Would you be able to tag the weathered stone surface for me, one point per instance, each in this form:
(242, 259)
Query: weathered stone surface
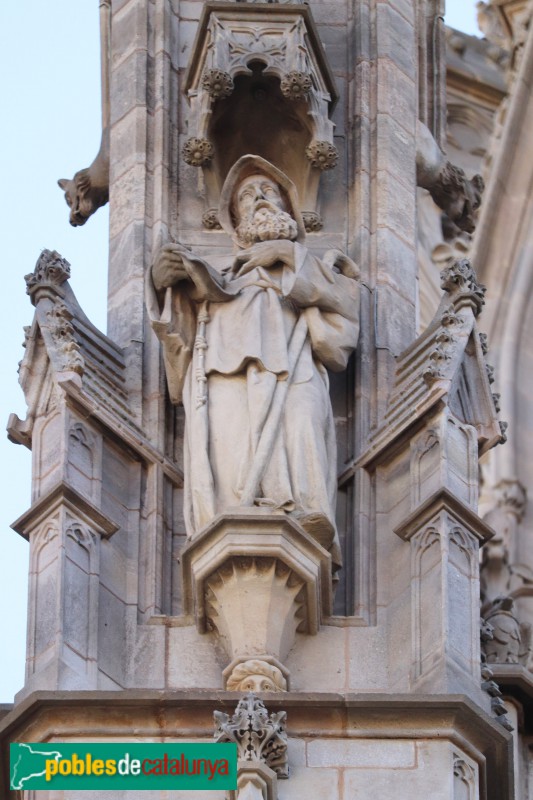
(412, 413)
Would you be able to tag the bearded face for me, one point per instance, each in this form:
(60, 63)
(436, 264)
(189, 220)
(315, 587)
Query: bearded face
(265, 224)
(261, 214)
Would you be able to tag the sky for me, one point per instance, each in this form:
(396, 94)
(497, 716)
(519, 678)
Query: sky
(50, 62)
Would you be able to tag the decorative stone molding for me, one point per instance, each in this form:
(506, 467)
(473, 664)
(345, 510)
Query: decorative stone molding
(445, 552)
(197, 152)
(259, 736)
(484, 342)
(64, 496)
(503, 431)
(488, 684)
(512, 498)
(450, 318)
(456, 246)
(69, 355)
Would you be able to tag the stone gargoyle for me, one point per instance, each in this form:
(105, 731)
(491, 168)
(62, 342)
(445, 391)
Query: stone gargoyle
(458, 196)
(88, 190)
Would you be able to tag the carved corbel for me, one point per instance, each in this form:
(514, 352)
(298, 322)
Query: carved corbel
(458, 196)
(291, 578)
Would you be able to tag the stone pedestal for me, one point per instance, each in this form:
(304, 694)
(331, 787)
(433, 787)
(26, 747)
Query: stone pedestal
(257, 579)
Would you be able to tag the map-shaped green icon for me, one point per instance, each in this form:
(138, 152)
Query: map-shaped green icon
(29, 761)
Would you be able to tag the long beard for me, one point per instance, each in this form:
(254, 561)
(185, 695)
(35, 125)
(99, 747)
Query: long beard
(266, 224)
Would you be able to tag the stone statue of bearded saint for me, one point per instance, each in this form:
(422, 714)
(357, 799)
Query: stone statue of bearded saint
(247, 347)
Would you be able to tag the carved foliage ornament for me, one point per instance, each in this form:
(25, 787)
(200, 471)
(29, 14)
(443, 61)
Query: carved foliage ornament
(312, 221)
(296, 85)
(459, 279)
(217, 83)
(51, 268)
(446, 346)
(62, 332)
(210, 220)
(322, 155)
(259, 736)
(197, 152)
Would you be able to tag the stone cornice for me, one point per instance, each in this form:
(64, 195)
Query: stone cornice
(189, 713)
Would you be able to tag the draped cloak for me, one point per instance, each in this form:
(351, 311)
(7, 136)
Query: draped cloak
(226, 343)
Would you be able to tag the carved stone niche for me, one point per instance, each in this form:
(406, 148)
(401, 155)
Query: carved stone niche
(258, 82)
(257, 579)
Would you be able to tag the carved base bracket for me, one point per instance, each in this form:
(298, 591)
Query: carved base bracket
(257, 579)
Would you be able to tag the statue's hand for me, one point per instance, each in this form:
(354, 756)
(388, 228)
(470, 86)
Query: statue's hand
(168, 268)
(265, 254)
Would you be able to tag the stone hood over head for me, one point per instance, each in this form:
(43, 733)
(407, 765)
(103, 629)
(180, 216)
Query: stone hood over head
(255, 165)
